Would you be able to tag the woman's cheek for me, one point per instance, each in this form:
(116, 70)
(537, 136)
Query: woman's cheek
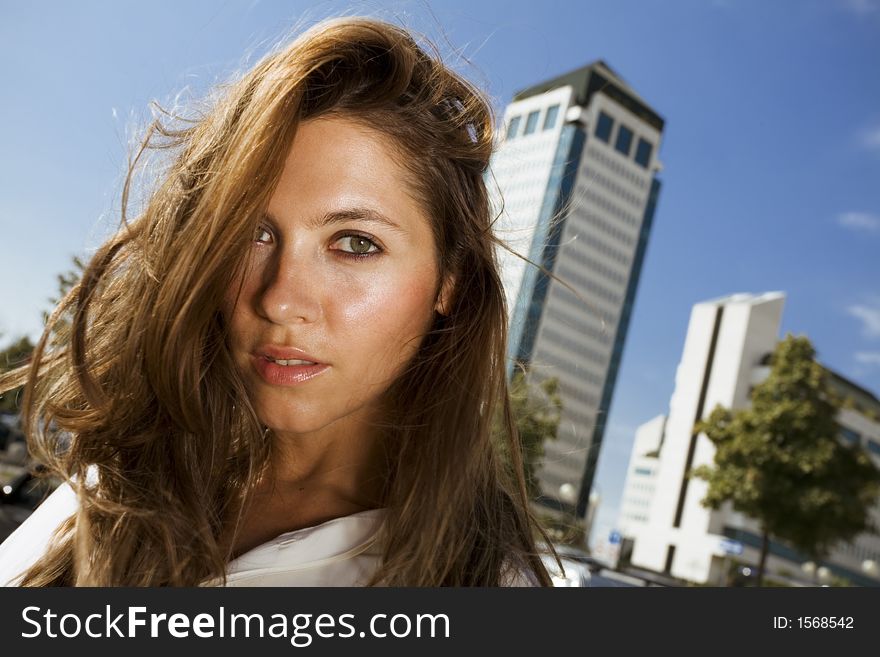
(400, 296)
(389, 312)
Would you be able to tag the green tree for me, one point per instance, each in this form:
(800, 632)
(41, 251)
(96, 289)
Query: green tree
(782, 463)
(13, 355)
(536, 411)
(66, 282)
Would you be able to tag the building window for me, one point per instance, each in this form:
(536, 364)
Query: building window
(643, 152)
(513, 126)
(874, 447)
(531, 122)
(850, 436)
(550, 117)
(670, 555)
(624, 140)
(603, 127)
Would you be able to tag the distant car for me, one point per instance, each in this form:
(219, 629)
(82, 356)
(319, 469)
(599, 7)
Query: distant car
(572, 573)
(611, 578)
(28, 488)
(569, 552)
(22, 491)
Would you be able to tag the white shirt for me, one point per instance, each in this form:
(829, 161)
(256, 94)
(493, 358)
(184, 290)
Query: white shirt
(339, 552)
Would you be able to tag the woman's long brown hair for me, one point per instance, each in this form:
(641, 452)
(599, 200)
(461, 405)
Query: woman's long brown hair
(132, 374)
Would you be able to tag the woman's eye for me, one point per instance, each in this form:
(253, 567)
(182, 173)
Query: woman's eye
(357, 245)
(261, 232)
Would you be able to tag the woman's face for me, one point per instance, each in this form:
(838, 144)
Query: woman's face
(343, 273)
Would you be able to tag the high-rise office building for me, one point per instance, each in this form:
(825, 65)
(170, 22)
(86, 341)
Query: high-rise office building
(575, 186)
(665, 528)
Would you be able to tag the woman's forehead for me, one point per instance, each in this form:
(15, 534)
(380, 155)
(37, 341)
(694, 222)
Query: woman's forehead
(336, 162)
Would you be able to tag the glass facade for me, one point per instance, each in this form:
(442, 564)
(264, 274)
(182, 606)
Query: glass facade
(550, 117)
(617, 352)
(545, 244)
(531, 122)
(513, 126)
(603, 127)
(643, 152)
(624, 140)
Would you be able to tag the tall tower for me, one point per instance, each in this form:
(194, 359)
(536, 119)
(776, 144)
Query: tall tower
(574, 186)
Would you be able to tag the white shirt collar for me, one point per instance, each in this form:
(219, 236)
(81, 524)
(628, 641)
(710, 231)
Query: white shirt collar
(340, 552)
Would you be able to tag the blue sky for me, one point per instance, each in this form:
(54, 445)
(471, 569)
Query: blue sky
(771, 149)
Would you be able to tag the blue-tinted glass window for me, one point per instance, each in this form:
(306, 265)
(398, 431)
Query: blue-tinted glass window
(513, 126)
(531, 122)
(604, 126)
(643, 152)
(850, 436)
(550, 117)
(624, 140)
(874, 447)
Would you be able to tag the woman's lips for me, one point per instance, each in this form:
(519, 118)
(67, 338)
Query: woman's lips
(283, 352)
(286, 375)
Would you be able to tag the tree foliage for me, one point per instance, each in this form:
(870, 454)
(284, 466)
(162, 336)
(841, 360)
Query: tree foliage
(536, 412)
(66, 282)
(781, 461)
(13, 355)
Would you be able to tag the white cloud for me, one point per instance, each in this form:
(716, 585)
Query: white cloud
(861, 7)
(868, 357)
(870, 317)
(859, 221)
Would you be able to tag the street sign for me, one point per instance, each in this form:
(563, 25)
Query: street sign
(614, 537)
(730, 546)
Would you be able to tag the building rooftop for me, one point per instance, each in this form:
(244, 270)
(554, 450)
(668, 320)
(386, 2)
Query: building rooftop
(597, 77)
(745, 297)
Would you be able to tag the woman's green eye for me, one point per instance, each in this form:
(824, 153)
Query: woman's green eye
(357, 245)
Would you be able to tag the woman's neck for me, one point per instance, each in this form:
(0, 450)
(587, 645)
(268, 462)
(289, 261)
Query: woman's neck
(314, 478)
(346, 460)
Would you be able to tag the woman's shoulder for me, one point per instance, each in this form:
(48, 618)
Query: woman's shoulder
(30, 540)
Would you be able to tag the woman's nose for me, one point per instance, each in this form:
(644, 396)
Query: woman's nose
(291, 291)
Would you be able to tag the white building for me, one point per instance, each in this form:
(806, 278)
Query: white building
(577, 174)
(661, 519)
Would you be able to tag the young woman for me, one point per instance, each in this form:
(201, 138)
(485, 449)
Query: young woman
(289, 369)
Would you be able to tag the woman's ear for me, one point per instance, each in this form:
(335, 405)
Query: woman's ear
(444, 298)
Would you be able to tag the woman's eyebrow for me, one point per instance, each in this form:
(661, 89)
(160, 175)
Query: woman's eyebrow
(357, 213)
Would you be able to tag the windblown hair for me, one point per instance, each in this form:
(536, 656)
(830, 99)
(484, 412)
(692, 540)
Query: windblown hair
(133, 377)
